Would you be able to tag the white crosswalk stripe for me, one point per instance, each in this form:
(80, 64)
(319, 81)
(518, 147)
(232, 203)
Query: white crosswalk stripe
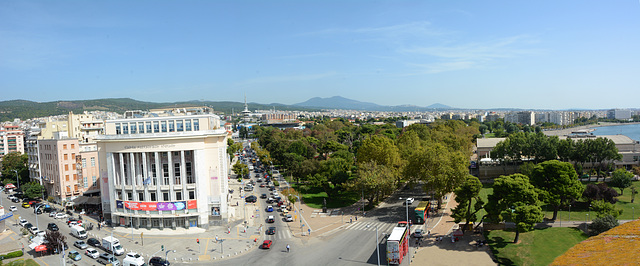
(370, 226)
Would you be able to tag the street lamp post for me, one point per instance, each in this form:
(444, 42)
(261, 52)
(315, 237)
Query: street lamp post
(17, 178)
(586, 222)
(167, 253)
(569, 212)
(377, 246)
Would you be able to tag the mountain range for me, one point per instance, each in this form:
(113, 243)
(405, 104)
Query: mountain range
(24, 109)
(337, 102)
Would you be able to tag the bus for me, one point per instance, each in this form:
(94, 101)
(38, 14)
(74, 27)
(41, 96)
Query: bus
(398, 245)
(422, 211)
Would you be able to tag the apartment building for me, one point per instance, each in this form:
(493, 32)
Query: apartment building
(11, 140)
(61, 168)
(164, 171)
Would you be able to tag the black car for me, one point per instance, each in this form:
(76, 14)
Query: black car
(53, 227)
(263, 196)
(271, 231)
(158, 261)
(15, 200)
(27, 226)
(251, 198)
(93, 242)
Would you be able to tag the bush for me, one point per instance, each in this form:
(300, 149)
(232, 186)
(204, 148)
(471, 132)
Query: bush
(276, 183)
(10, 255)
(603, 224)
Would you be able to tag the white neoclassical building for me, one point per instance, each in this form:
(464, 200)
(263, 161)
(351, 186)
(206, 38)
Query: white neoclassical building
(164, 170)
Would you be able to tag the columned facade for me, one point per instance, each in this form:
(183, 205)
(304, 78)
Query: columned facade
(164, 180)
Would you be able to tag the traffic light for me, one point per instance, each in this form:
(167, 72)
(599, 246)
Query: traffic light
(198, 240)
(162, 247)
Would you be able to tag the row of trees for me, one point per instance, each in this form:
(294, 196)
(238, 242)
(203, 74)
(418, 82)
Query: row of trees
(372, 159)
(537, 147)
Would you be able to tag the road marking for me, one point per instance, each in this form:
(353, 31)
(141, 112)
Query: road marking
(40, 259)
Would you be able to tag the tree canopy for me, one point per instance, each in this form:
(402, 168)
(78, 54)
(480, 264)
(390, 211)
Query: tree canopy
(557, 184)
(514, 199)
(621, 179)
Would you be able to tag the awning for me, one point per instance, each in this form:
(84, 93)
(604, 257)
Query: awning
(40, 248)
(9, 186)
(87, 200)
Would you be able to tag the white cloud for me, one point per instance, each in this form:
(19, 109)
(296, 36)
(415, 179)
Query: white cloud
(468, 55)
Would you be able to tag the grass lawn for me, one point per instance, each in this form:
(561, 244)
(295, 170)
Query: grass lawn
(537, 247)
(580, 211)
(314, 197)
(22, 262)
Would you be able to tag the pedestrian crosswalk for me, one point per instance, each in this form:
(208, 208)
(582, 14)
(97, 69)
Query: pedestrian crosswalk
(370, 226)
(280, 234)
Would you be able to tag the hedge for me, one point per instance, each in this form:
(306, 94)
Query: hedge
(10, 255)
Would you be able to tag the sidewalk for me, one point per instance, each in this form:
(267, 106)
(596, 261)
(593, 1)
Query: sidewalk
(446, 252)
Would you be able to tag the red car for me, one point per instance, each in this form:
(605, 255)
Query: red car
(266, 244)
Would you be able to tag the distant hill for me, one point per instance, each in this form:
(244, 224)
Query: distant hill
(338, 102)
(23, 109)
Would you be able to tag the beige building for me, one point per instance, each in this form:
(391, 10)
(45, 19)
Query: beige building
(164, 171)
(61, 168)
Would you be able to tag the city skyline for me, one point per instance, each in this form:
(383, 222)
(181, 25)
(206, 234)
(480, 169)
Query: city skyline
(527, 55)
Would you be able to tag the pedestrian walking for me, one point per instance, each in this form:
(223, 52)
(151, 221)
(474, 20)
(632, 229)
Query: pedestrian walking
(350, 219)
(356, 218)
(288, 248)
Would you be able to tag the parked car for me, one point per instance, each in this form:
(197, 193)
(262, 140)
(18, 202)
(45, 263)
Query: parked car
(75, 255)
(92, 253)
(251, 198)
(26, 205)
(158, 261)
(266, 244)
(263, 196)
(53, 214)
(53, 227)
(288, 218)
(28, 225)
(271, 231)
(269, 208)
(271, 219)
(80, 244)
(23, 222)
(33, 229)
(61, 215)
(13, 208)
(40, 233)
(106, 258)
(94, 242)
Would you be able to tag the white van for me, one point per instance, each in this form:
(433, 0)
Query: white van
(78, 232)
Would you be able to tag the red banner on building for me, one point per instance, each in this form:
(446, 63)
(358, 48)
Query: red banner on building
(192, 204)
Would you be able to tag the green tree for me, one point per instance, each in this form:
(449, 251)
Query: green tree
(33, 190)
(375, 181)
(13, 163)
(466, 194)
(621, 179)
(382, 151)
(240, 169)
(527, 168)
(557, 183)
(603, 208)
(440, 169)
(514, 199)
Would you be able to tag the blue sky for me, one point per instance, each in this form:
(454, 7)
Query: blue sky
(467, 54)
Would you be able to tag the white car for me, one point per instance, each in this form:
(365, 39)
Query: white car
(52, 214)
(23, 222)
(409, 201)
(13, 208)
(33, 230)
(61, 215)
(93, 253)
(40, 233)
